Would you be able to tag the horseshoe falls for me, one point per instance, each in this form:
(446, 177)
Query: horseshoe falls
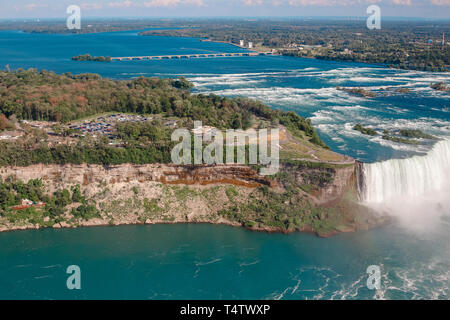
(396, 179)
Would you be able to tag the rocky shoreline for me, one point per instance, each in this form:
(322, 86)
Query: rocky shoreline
(383, 221)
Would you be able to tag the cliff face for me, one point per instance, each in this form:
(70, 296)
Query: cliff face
(57, 176)
(344, 181)
(328, 184)
(298, 198)
(339, 181)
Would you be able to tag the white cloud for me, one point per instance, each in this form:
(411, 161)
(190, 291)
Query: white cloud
(124, 4)
(30, 6)
(402, 2)
(370, 1)
(252, 2)
(331, 3)
(91, 6)
(198, 3)
(321, 2)
(172, 3)
(441, 2)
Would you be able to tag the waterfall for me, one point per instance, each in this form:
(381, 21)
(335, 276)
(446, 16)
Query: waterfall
(410, 178)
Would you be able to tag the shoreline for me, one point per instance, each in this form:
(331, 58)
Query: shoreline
(277, 53)
(93, 224)
(373, 64)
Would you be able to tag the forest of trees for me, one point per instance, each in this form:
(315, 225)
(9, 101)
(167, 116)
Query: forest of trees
(42, 95)
(5, 123)
(12, 192)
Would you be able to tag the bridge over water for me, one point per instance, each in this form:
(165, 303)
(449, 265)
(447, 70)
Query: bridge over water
(198, 55)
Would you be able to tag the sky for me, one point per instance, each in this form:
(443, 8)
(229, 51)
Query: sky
(40, 9)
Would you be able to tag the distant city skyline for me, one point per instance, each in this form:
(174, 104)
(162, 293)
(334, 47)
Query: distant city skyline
(42, 9)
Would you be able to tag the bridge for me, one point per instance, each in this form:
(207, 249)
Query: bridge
(198, 55)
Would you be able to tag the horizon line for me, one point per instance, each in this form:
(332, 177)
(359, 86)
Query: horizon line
(224, 17)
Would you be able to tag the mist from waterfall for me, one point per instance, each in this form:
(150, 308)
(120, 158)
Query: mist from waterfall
(415, 190)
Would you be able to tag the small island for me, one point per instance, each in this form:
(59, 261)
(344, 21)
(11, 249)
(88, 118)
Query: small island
(88, 57)
(403, 90)
(415, 133)
(406, 136)
(358, 92)
(368, 131)
(440, 86)
(387, 136)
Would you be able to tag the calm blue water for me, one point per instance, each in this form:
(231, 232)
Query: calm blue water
(218, 262)
(204, 261)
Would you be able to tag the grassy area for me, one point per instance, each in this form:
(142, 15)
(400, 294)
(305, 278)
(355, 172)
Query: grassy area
(293, 147)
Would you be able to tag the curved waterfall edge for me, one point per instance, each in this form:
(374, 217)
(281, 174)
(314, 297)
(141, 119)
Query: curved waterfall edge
(411, 177)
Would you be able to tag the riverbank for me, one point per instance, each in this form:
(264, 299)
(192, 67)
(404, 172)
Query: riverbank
(382, 221)
(321, 41)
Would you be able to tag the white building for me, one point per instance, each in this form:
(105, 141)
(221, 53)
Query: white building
(250, 45)
(241, 43)
(346, 51)
(204, 130)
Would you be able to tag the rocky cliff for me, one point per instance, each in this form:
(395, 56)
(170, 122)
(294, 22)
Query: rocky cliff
(86, 175)
(304, 198)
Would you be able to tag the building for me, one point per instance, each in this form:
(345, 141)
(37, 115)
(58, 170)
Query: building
(346, 51)
(241, 43)
(250, 45)
(170, 123)
(25, 204)
(10, 135)
(204, 130)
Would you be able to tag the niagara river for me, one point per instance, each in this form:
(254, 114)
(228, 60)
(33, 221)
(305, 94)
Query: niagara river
(409, 182)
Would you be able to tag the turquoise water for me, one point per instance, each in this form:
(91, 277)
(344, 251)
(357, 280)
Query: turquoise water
(219, 262)
(205, 261)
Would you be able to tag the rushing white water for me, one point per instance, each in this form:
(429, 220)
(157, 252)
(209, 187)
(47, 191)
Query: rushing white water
(402, 179)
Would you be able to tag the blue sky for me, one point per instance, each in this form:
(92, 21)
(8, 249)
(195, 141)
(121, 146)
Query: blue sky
(178, 8)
